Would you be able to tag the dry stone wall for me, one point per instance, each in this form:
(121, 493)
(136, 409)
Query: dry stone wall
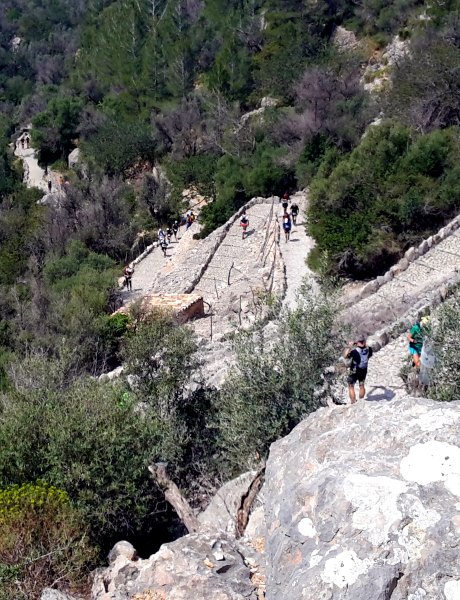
(416, 281)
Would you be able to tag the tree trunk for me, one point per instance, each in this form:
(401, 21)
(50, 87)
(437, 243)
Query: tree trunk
(174, 496)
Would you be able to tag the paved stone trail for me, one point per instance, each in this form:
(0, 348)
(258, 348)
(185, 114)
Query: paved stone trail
(295, 252)
(155, 265)
(238, 272)
(383, 382)
(427, 273)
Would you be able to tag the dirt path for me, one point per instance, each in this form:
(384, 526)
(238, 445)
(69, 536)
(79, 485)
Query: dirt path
(34, 175)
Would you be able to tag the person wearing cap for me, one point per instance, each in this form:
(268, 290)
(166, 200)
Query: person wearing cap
(415, 337)
(359, 354)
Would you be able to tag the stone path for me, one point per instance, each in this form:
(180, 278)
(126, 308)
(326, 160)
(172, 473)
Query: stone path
(34, 175)
(239, 272)
(156, 265)
(395, 298)
(383, 381)
(295, 252)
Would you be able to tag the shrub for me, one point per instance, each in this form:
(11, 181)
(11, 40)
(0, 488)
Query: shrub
(88, 439)
(118, 145)
(275, 381)
(43, 541)
(445, 337)
(55, 129)
(391, 191)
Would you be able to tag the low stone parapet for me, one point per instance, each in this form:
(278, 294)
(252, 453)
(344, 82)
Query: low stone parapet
(183, 307)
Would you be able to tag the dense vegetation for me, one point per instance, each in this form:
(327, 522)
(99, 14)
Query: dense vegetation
(178, 85)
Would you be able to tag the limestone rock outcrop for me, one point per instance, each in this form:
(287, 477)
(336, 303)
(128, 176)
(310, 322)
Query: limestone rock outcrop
(363, 502)
(198, 566)
(360, 502)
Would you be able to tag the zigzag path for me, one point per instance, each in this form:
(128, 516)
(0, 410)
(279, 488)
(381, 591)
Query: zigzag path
(395, 300)
(408, 288)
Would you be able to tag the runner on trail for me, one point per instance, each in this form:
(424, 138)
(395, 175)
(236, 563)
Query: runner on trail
(27, 141)
(175, 229)
(50, 185)
(161, 235)
(168, 234)
(415, 337)
(244, 224)
(287, 225)
(128, 272)
(22, 143)
(294, 212)
(285, 201)
(190, 218)
(164, 246)
(359, 354)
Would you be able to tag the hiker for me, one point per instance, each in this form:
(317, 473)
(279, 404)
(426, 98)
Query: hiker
(287, 225)
(169, 234)
(175, 229)
(359, 354)
(190, 218)
(294, 212)
(164, 246)
(415, 337)
(161, 235)
(27, 142)
(244, 224)
(50, 185)
(128, 272)
(285, 201)
(22, 143)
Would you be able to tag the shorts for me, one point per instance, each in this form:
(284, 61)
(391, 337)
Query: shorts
(286, 227)
(414, 351)
(357, 375)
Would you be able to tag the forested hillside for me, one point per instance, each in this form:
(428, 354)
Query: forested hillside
(358, 101)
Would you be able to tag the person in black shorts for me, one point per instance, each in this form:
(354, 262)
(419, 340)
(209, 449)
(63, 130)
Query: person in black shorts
(359, 354)
(294, 212)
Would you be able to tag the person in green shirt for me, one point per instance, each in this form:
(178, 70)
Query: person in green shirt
(415, 337)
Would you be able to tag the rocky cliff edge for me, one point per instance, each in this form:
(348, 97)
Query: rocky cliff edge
(360, 502)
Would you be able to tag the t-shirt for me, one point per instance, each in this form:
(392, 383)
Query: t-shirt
(294, 209)
(417, 335)
(360, 357)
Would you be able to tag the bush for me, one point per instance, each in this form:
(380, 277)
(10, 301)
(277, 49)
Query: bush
(118, 145)
(55, 129)
(239, 179)
(275, 381)
(445, 337)
(390, 192)
(43, 541)
(89, 440)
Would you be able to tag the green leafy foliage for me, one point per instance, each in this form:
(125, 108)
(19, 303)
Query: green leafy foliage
(390, 191)
(444, 338)
(238, 180)
(91, 443)
(43, 539)
(55, 129)
(119, 145)
(276, 381)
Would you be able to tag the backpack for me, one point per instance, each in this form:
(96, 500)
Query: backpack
(364, 357)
